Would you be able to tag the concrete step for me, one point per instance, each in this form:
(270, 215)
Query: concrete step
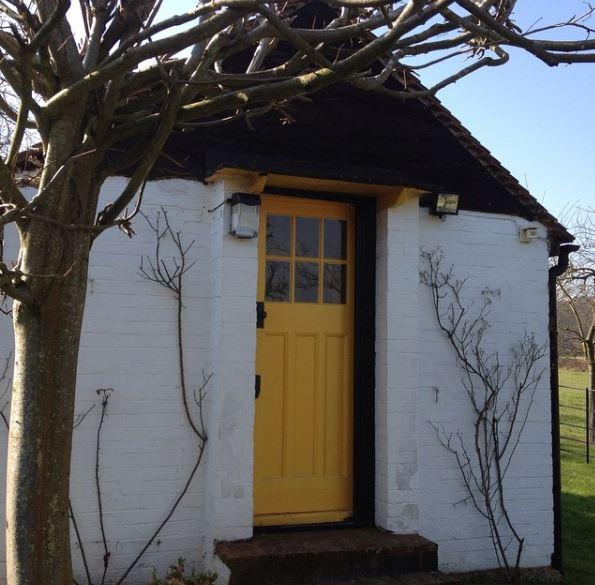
(313, 556)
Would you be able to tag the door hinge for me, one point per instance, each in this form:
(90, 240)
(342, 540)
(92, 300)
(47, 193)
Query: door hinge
(256, 386)
(261, 314)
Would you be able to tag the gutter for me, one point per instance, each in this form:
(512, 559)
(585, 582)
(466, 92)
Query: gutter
(553, 273)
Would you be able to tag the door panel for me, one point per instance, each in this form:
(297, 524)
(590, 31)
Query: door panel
(303, 468)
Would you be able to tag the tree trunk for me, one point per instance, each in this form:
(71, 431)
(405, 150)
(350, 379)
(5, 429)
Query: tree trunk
(39, 447)
(47, 335)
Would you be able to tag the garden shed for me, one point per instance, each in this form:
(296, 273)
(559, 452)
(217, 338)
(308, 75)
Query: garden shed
(312, 354)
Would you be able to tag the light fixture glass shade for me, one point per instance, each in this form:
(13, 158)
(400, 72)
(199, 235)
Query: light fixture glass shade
(447, 204)
(244, 215)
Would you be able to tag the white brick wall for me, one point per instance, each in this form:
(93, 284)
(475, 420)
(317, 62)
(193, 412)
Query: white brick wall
(397, 359)
(129, 344)
(234, 268)
(418, 484)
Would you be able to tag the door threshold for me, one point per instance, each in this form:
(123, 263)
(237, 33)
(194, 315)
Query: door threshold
(345, 525)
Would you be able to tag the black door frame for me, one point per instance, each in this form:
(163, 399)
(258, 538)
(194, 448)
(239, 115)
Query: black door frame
(364, 358)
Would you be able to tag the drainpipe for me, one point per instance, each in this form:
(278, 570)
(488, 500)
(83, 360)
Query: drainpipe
(554, 272)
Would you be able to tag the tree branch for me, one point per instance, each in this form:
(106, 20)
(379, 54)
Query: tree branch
(131, 58)
(9, 192)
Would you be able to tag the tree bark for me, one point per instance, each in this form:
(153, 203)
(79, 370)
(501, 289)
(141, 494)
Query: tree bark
(47, 335)
(46, 353)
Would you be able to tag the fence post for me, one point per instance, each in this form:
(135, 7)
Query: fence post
(591, 417)
(587, 419)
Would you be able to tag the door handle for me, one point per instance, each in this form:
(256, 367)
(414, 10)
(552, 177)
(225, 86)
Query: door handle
(261, 315)
(256, 386)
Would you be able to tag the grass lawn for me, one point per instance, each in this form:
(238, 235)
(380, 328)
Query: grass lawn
(578, 486)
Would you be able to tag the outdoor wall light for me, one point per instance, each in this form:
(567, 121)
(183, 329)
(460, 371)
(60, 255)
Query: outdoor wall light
(441, 204)
(245, 209)
(528, 234)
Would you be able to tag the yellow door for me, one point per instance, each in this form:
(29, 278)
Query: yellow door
(303, 467)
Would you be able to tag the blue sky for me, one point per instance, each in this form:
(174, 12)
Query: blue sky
(538, 121)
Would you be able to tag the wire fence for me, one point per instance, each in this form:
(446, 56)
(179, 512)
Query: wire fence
(586, 412)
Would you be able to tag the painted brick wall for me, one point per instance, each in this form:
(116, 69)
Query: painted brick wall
(418, 485)
(397, 359)
(129, 344)
(234, 268)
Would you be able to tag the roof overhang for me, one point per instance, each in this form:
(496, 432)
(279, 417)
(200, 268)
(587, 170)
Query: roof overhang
(261, 182)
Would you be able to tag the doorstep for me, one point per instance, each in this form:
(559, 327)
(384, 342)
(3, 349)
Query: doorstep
(315, 556)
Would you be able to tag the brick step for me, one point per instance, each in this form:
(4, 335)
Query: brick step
(299, 558)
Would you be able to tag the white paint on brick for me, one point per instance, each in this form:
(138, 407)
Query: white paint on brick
(418, 483)
(397, 360)
(234, 266)
(129, 344)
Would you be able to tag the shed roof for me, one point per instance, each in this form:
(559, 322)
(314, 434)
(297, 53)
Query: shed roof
(346, 134)
(349, 134)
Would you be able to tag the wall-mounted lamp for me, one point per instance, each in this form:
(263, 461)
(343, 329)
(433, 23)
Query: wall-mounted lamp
(441, 204)
(244, 215)
(528, 234)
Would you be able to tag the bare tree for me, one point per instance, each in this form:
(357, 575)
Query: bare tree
(576, 295)
(97, 111)
(500, 393)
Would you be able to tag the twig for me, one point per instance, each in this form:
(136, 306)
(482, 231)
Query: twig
(81, 417)
(170, 274)
(168, 516)
(106, 393)
(4, 378)
(80, 541)
(499, 422)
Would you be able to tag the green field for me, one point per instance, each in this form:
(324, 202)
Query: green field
(578, 486)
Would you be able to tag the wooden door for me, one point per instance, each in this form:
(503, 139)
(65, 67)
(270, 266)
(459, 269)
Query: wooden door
(303, 468)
